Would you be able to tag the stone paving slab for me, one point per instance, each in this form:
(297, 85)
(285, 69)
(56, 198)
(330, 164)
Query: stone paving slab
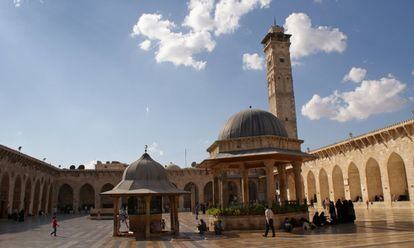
(374, 228)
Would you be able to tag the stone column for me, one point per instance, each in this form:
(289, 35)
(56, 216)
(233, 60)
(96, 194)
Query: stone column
(270, 182)
(281, 169)
(193, 199)
(39, 208)
(331, 187)
(176, 221)
(245, 185)
(22, 194)
(385, 183)
(364, 185)
(306, 190)
(180, 205)
(32, 192)
(221, 192)
(318, 191)
(76, 199)
(173, 207)
(11, 195)
(298, 181)
(47, 199)
(147, 216)
(347, 189)
(410, 177)
(116, 220)
(215, 188)
(97, 200)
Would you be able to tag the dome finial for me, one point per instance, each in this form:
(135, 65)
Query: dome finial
(146, 148)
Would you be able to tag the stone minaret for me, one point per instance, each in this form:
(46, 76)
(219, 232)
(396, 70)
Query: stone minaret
(279, 78)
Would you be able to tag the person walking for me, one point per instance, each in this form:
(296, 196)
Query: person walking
(269, 221)
(54, 225)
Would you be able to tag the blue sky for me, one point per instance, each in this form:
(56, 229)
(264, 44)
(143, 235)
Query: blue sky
(75, 86)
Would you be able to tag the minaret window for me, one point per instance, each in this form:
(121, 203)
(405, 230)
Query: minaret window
(281, 60)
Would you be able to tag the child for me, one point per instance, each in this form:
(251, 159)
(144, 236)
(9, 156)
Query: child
(54, 225)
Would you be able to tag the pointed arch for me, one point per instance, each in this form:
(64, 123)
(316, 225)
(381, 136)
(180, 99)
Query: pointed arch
(232, 192)
(311, 187)
(323, 184)
(190, 199)
(374, 182)
(253, 191)
(65, 199)
(106, 201)
(354, 182)
(87, 196)
(397, 178)
(208, 193)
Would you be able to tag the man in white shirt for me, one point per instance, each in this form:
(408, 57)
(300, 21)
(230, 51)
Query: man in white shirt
(269, 221)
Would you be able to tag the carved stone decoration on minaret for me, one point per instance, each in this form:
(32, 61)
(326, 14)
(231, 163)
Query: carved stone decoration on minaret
(279, 78)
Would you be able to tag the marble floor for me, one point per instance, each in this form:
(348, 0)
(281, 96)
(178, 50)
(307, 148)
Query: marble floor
(373, 228)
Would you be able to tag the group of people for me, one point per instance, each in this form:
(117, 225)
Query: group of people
(17, 216)
(340, 212)
(218, 227)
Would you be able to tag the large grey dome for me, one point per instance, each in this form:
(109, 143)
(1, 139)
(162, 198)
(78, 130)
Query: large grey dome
(252, 122)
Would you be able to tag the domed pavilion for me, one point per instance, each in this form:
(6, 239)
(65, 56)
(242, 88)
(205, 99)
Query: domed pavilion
(253, 139)
(141, 191)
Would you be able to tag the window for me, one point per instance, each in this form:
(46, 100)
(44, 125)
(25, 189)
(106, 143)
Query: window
(281, 60)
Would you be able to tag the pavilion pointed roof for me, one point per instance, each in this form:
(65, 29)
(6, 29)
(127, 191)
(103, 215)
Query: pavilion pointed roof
(145, 177)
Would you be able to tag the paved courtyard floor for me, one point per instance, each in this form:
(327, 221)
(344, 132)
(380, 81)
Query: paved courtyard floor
(374, 228)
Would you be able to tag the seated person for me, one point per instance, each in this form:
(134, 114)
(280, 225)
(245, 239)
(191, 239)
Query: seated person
(322, 219)
(218, 227)
(287, 226)
(315, 219)
(202, 227)
(294, 222)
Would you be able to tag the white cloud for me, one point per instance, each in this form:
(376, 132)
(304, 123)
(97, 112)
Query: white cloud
(371, 97)
(252, 62)
(317, 1)
(204, 18)
(319, 107)
(17, 3)
(174, 47)
(412, 72)
(147, 109)
(199, 17)
(308, 40)
(356, 75)
(91, 165)
(155, 150)
(145, 45)
(228, 12)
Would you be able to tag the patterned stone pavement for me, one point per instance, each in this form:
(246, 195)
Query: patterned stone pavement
(374, 228)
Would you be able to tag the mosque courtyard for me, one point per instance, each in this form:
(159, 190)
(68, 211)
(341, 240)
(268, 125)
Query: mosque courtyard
(373, 228)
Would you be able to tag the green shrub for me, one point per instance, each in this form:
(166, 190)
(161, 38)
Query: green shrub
(256, 209)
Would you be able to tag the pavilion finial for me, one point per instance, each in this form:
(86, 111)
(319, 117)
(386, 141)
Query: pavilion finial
(274, 21)
(146, 148)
